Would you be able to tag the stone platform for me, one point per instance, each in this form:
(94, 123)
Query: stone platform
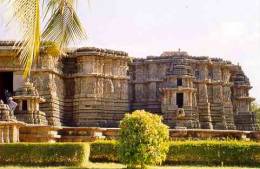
(86, 134)
(11, 132)
(39, 133)
(177, 134)
(80, 134)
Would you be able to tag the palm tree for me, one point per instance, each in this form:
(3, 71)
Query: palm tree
(62, 26)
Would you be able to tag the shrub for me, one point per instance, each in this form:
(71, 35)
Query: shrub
(143, 139)
(44, 154)
(104, 151)
(214, 153)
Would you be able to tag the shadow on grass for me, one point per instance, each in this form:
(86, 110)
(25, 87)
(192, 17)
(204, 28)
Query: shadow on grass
(92, 168)
(98, 166)
(87, 166)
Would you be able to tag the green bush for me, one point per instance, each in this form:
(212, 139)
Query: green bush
(206, 152)
(104, 151)
(143, 139)
(44, 154)
(214, 153)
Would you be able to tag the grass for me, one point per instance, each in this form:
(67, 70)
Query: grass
(120, 166)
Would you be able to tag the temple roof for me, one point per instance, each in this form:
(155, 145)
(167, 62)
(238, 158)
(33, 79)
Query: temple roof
(101, 50)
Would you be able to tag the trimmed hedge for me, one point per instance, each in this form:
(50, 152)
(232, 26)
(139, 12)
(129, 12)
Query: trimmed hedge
(236, 153)
(214, 153)
(104, 151)
(208, 152)
(44, 154)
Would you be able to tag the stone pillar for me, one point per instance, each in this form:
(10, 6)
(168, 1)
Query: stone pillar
(11, 133)
(228, 107)
(204, 106)
(203, 98)
(217, 105)
(1, 135)
(168, 107)
(6, 134)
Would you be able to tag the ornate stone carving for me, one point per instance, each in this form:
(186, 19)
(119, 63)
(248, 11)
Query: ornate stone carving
(95, 87)
(28, 100)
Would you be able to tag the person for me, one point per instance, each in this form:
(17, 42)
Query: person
(7, 95)
(12, 104)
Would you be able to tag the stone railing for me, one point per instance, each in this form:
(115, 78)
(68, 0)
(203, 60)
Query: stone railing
(9, 131)
(9, 126)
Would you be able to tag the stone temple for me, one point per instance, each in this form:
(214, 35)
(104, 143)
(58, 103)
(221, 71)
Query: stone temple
(92, 87)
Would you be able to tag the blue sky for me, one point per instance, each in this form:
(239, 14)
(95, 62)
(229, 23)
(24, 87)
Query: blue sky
(229, 29)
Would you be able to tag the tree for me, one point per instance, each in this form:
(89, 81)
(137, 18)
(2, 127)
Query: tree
(143, 139)
(62, 26)
(255, 107)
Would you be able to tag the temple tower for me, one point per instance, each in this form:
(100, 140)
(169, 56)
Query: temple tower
(28, 100)
(179, 96)
(244, 118)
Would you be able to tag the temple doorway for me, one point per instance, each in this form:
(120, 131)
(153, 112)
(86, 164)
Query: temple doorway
(6, 83)
(179, 100)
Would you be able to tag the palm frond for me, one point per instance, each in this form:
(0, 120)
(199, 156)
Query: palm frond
(27, 13)
(64, 26)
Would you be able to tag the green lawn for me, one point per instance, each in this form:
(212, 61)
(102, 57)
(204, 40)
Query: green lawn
(119, 166)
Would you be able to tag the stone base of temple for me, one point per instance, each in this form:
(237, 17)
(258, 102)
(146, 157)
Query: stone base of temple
(206, 125)
(81, 134)
(209, 134)
(19, 132)
(39, 133)
(91, 134)
(86, 134)
(246, 121)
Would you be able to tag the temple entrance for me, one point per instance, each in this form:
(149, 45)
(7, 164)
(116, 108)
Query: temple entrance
(6, 83)
(179, 100)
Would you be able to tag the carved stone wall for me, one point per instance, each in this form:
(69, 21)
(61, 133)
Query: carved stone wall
(96, 87)
(101, 87)
(209, 90)
(48, 78)
(244, 118)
